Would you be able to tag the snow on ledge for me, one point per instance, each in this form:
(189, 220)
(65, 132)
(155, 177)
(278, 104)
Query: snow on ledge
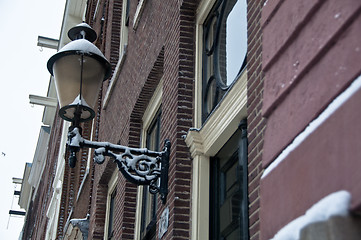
(335, 204)
(331, 108)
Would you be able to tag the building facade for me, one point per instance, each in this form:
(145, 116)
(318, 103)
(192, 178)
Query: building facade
(232, 84)
(311, 62)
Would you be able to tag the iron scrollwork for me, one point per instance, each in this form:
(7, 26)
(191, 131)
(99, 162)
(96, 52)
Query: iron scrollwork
(138, 165)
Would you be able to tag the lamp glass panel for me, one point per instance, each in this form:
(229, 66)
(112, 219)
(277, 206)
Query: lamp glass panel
(67, 74)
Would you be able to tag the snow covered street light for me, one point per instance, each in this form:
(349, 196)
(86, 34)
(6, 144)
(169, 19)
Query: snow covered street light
(79, 69)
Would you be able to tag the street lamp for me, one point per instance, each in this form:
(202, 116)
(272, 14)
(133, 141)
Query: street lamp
(79, 69)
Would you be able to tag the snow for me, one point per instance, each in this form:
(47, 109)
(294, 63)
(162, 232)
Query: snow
(78, 101)
(83, 25)
(75, 139)
(332, 107)
(83, 46)
(335, 204)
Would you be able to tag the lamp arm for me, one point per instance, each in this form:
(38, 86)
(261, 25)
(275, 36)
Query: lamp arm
(138, 165)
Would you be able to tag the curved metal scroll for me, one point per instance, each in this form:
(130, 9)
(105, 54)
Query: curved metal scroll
(138, 165)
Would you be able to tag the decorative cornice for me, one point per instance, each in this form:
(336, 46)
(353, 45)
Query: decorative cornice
(222, 123)
(194, 141)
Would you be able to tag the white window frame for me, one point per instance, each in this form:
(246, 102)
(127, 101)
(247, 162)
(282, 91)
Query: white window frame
(138, 13)
(148, 116)
(206, 140)
(111, 187)
(202, 12)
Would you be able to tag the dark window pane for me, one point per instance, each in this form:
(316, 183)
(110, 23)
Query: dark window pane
(111, 215)
(149, 202)
(228, 191)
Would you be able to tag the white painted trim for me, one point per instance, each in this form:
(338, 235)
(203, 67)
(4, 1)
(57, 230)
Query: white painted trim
(111, 186)
(138, 13)
(226, 117)
(43, 101)
(223, 122)
(206, 142)
(148, 116)
(123, 29)
(96, 10)
(138, 213)
(202, 12)
(200, 198)
(198, 78)
(313, 125)
(152, 109)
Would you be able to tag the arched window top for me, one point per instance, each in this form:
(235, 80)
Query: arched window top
(224, 50)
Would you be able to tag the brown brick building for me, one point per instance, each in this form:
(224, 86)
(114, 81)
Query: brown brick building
(207, 75)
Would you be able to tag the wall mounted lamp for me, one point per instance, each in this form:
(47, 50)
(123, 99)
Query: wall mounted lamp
(79, 69)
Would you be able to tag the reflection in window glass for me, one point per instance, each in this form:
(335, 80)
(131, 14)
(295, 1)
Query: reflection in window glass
(228, 191)
(236, 40)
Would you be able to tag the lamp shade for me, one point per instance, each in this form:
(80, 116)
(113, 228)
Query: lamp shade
(79, 69)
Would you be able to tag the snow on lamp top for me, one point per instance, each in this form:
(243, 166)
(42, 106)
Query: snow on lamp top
(79, 68)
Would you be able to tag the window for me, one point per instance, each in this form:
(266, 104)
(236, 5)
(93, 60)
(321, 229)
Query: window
(111, 214)
(229, 194)
(149, 201)
(146, 212)
(220, 104)
(110, 207)
(224, 50)
(124, 28)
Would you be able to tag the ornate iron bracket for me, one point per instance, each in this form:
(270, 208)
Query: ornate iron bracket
(138, 165)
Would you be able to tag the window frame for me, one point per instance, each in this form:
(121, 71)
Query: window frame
(204, 76)
(124, 27)
(149, 115)
(138, 13)
(205, 139)
(148, 230)
(236, 146)
(112, 184)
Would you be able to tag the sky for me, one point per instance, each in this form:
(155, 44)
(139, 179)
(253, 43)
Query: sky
(22, 72)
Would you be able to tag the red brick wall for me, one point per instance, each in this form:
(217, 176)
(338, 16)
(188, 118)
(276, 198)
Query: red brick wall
(163, 46)
(178, 98)
(256, 123)
(162, 32)
(311, 54)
